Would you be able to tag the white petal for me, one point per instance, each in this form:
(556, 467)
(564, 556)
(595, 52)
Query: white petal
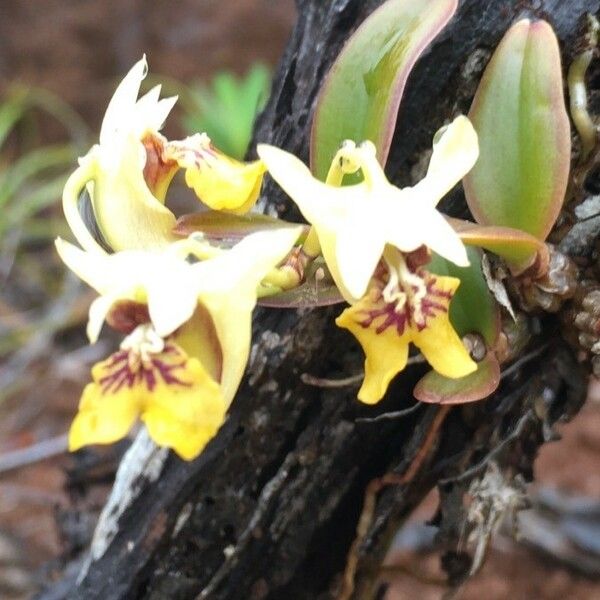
(248, 261)
(97, 315)
(454, 155)
(151, 113)
(150, 97)
(172, 295)
(107, 273)
(405, 220)
(443, 240)
(91, 267)
(161, 112)
(319, 203)
(121, 106)
(358, 251)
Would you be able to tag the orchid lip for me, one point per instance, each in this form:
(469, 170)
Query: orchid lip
(128, 369)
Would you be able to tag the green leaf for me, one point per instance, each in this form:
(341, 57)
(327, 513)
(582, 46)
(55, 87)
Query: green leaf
(361, 95)
(436, 389)
(220, 226)
(226, 110)
(32, 166)
(473, 308)
(11, 112)
(519, 112)
(520, 250)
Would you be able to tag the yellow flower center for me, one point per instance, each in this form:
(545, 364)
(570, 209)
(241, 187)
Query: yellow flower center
(159, 170)
(196, 151)
(403, 297)
(144, 359)
(403, 286)
(141, 344)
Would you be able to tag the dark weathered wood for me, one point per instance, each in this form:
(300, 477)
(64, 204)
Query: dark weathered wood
(269, 510)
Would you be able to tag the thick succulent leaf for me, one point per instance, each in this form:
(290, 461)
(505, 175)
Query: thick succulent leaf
(436, 389)
(520, 250)
(520, 116)
(361, 95)
(224, 227)
(473, 308)
(317, 290)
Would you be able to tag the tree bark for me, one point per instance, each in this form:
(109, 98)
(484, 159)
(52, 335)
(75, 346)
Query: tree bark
(270, 509)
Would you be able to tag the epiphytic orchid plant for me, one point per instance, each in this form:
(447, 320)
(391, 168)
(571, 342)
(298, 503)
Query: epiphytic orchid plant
(182, 291)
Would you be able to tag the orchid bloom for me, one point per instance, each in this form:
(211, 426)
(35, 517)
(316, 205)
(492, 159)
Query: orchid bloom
(404, 304)
(188, 341)
(376, 239)
(354, 223)
(128, 172)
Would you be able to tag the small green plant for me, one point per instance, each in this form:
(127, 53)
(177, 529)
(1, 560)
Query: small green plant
(227, 108)
(32, 178)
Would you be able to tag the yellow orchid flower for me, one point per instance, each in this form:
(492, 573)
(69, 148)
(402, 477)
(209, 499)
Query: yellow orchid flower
(221, 182)
(128, 172)
(179, 402)
(401, 306)
(354, 223)
(189, 327)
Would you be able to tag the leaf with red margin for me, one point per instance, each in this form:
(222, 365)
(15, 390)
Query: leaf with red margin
(228, 228)
(361, 94)
(520, 250)
(436, 389)
(520, 116)
(473, 308)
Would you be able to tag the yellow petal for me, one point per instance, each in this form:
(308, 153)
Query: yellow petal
(439, 343)
(129, 216)
(220, 182)
(185, 415)
(178, 400)
(386, 352)
(226, 184)
(198, 339)
(109, 406)
(228, 292)
(444, 350)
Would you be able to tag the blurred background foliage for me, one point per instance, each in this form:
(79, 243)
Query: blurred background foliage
(32, 175)
(227, 108)
(59, 65)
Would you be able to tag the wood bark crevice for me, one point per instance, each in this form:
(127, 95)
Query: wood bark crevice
(269, 510)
